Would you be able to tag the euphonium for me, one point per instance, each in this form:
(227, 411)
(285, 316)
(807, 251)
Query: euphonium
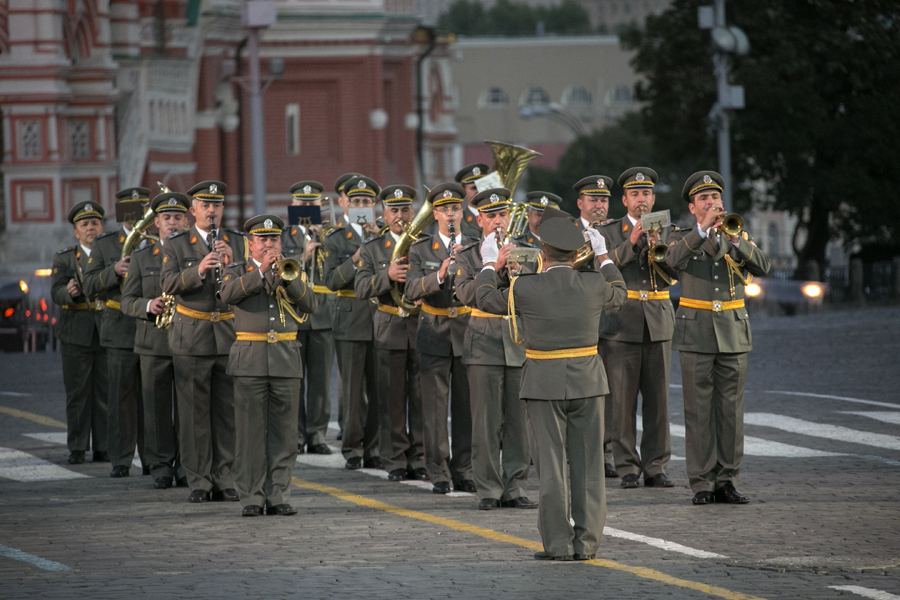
(411, 233)
(510, 162)
(136, 234)
(732, 224)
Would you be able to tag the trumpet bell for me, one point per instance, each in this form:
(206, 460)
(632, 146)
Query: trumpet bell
(289, 269)
(733, 224)
(658, 253)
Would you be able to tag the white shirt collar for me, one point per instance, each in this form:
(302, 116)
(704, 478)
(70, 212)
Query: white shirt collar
(558, 267)
(257, 263)
(86, 250)
(445, 239)
(473, 210)
(357, 228)
(394, 235)
(586, 223)
(203, 234)
(633, 221)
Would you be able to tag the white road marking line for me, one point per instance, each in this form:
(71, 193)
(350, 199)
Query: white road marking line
(754, 446)
(16, 394)
(660, 543)
(20, 466)
(830, 397)
(41, 563)
(831, 432)
(883, 416)
(60, 437)
(865, 592)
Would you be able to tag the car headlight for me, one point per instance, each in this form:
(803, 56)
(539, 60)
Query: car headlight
(753, 290)
(812, 290)
(23, 286)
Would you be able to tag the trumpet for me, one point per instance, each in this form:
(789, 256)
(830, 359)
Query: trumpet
(732, 224)
(164, 319)
(287, 268)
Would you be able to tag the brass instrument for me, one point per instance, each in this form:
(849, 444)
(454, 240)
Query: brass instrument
(411, 233)
(585, 254)
(518, 220)
(510, 162)
(732, 224)
(164, 319)
(287, 268)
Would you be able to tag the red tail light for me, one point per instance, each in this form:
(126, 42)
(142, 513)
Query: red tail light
(9, 312)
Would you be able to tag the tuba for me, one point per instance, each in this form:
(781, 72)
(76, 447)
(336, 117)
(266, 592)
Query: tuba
(411, 233)
(509, 164)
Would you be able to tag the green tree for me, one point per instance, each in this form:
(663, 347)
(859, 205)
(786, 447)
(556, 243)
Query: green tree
(821, 123)
(508, 18)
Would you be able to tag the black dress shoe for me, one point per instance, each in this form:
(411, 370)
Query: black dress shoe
(340, 435)
(488, 504)
(76, 457)
(520, 502)
(319, 449)
(162, 483)
(252, 511)
(397, 474)
(658, 480)
(466, 485)
(181, 482)
(577, 556)
(145, 470)
(226, 495)
(610, 470)
(120, 471)
(420, 474)
(353, 463)
(701, 498)
(101, 456)
(300, 447)
(199, 496)
(441, 487)
(374, 463)
(630, 481)
(728, 495)
(282, 510)
(544, 556)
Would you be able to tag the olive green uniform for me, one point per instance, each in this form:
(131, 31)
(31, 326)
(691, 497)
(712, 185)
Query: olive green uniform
(316, 346)
(713, 345)
(83, 358)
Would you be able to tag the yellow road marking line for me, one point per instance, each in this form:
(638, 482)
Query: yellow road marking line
(502, 537)
(32, 417)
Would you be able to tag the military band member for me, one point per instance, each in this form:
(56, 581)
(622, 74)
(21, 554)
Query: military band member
(439, 341)
(267, 369)
(712, 335)
(537, 202)
(563, 380)
(105, 277)
(466, 177)
(301, 242)
(200, 337)
(494, 365)
(83, 358)
(637, 339)
(142, 299)
(353, 329)
(593, 205)
(399, 392)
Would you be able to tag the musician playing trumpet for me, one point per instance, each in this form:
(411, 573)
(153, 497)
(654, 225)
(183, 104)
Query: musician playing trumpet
(142, 299)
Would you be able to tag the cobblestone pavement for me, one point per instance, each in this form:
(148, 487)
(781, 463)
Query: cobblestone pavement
(822, 467)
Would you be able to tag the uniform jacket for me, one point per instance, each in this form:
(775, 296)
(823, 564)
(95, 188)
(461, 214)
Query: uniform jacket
(560, 309)
(256, 311)
(182, 254)
(74, 326)
(468, 227)
(703, 273)
(626, 323)
(100, 279)
(293, 244)
(392, 332)
(437, 335)
(142, 284)
(353, 317)
(528, 240)
(487, 340)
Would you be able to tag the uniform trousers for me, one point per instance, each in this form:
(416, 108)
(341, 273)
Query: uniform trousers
(265, 411)
(125, 407)
(314, 411)
(400, 409)
(160, 417)
(608, 416)
(85, 378)
(569, 430)
(205, 421)
(356, 363)
(498, 414)
(632, 368)
(444, 381)
(713, 389)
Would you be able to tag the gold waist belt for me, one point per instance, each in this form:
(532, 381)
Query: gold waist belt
(644, 296)
(271, 337)
(486, 315)
(452, 312)
(204, 316)
(95, 305)
(715, 305)
(113, 304)
(346, 294)
(399, 312)
(321, 289)
(564, 353)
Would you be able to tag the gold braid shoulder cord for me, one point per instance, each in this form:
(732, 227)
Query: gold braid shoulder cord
(284, 303)
(511, 314)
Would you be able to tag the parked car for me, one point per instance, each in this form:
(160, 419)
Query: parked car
(27, 313)
(776, 296)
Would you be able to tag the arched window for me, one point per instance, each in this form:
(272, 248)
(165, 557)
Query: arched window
(534, 96)
(493, 98)
(620, 96)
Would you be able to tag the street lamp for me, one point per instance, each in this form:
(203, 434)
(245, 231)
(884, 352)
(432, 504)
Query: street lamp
(555, 112)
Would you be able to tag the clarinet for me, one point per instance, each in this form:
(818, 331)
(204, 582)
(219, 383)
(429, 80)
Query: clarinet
(213, 238)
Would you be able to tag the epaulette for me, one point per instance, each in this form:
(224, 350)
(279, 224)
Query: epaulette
(422, 238)
(333, 231)
(235, 264)
(176, 234)
(64, 250)
(106, 234)
(470, 246)
(147, 247)
(236, 232)
(374, 239)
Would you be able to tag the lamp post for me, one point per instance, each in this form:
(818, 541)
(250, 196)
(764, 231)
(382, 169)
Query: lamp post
(555, 112)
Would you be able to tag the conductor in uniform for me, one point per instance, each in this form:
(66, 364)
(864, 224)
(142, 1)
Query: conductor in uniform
(83, 358)
(316, 342)
(637, 339)
(712, 336)
(269, 302)
(563, 380)
(399, 393)
(200, 337)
